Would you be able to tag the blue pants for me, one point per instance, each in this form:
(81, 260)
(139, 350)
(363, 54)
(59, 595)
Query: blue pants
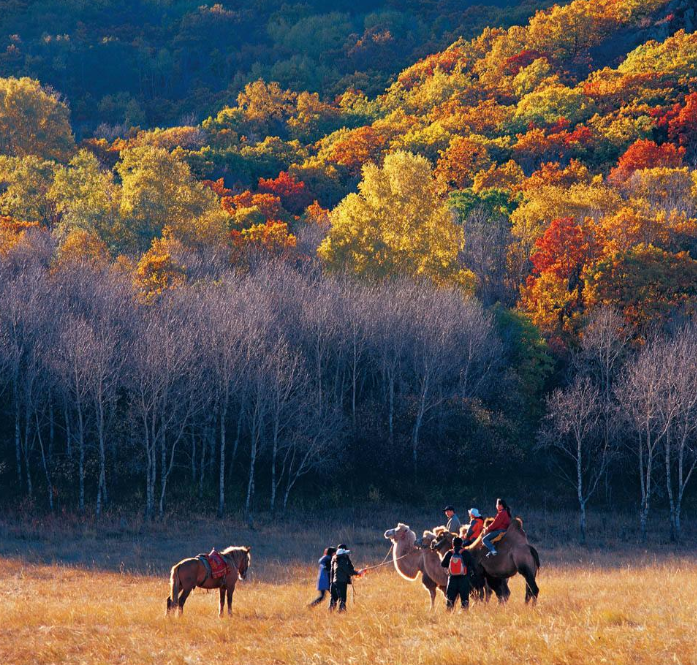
(489, 537)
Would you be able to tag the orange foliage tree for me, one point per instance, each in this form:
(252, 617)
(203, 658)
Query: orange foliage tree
(554, 293)
(646, 284)
(159, 269)
(12, 231)
(460, 162)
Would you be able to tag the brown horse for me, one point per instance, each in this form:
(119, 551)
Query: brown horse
(515, 555)
(190, 573)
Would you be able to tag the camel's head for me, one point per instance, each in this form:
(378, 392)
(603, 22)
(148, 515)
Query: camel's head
(442, 541)
(427, 539)
(398, 533)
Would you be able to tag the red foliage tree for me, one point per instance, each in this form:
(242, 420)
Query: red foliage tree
(681, 122)
(268, 205)
(521, 60)
(563, 249)
(645, 154)
(293, 193)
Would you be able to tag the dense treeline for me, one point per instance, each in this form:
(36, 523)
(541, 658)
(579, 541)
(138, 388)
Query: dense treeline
(485, 276)
(261, 374)
(260, 377)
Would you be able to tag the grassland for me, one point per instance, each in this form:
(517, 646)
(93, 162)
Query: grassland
(87, 593)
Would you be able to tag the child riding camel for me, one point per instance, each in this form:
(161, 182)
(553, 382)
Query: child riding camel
(342, 571)
(460, 566)
(470, 532)
(501, 522)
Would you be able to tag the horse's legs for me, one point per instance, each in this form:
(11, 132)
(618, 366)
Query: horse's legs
(182, 599)
(222, 601)
(229, 601)
(431, 587)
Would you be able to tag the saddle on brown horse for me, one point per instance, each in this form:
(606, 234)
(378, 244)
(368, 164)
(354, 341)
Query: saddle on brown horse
(215, 564)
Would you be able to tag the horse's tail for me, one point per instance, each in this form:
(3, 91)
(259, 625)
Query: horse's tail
(536, 556)
(173, 600)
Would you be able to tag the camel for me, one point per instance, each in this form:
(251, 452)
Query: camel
(515, 555)
(410, 559)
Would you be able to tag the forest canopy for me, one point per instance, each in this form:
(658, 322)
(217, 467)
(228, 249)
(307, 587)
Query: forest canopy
(372, 190)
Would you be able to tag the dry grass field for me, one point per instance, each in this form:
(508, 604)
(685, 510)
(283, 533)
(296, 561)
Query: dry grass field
(88, 594)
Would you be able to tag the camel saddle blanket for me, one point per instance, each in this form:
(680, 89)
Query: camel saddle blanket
(215, 564)
(501, 535)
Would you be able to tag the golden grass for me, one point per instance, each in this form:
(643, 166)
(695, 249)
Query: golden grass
(641, 613)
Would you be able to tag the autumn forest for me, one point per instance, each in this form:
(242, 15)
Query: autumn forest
(256, 254)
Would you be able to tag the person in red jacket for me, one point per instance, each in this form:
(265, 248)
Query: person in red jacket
(501, 522)
(470, 532)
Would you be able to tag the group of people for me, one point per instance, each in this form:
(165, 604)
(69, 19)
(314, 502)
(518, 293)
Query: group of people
(470, 532)
(335, 572)
(458, 560)
(336, 568)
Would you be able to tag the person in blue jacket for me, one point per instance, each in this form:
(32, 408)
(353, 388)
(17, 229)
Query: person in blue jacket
(325, 564)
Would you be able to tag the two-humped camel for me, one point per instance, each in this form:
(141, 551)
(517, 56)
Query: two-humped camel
(515, 555)
(410, 559)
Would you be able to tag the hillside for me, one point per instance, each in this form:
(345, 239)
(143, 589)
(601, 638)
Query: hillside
(147, 63)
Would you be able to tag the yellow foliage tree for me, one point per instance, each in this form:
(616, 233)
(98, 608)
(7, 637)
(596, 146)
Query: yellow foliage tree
(159, 269)
(82, 247)
(397, 224)
(33, 121)
(159, 190)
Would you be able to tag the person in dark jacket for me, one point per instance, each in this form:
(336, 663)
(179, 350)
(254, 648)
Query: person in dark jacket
(323, 584)
(342, 571)
(460, 567)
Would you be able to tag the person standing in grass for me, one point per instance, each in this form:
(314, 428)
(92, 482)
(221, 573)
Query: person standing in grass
(501, 522)
(323, 583)
(460, 565)
(342, 571)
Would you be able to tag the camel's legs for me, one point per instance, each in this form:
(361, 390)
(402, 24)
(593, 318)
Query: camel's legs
(531, 588)
(222, 601)
(229, 601)
(431, 587)
(499, 587)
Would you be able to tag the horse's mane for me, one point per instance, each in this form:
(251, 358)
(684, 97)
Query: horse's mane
(236, 549)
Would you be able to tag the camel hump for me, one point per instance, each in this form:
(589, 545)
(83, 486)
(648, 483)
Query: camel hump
(516, 528)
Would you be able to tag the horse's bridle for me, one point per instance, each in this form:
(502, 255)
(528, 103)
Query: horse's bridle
(245, 559)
